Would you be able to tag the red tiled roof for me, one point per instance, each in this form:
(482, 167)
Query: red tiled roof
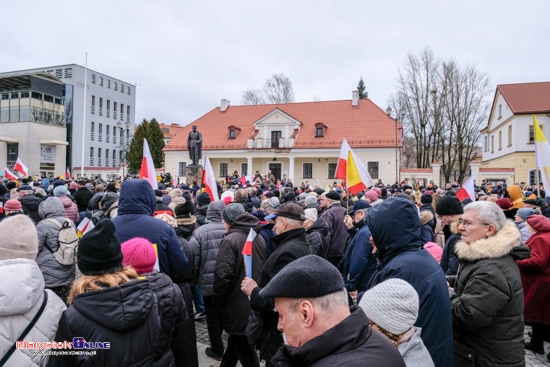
(364, 126)
(497, 170)
(526, 98)
(172, 129)
(417, 170)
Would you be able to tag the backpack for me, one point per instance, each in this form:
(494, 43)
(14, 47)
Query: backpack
(68, 243)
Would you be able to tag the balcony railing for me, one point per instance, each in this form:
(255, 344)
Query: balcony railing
(100, 111)
(93, 110)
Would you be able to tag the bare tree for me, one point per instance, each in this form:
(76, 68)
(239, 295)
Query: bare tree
(277, 89)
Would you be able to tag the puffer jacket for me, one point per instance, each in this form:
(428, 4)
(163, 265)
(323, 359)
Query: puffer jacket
(359, 262)
(337, 231)
(71, 210)
(516, 195)
(428, 223)
(401, 255)
(135, 219)
(55, 274)
(21, 297)
(449, 261)
(230, 271)
(30, 204)
(205, 243)
(316, 237)
(487, 301)
(124, 315)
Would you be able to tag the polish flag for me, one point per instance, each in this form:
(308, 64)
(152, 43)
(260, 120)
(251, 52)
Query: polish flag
(9, 175)
(357, 176)
(20, 167)
(247, 253)
(246, 178)
(176, 182)
(147, 171)
(209, 180)
(341, 167)
(467, 190)
(68, 174)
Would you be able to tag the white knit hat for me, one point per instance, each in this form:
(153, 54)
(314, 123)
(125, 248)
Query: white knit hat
(19, 239)
(311, 214)
(392, 305)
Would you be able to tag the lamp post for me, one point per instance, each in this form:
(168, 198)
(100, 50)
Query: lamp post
(124, 145)
(402, 113)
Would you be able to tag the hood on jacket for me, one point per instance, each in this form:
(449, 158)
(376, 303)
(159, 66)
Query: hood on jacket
(51, 207)
(320, 226)
(66, 201)
(21, 292)
(393, 236)
(119, 308)
(504, 242)
(214, 211)
(136, 197)
(31, 202)
(244, 222)
(516, 195)
(425, 217)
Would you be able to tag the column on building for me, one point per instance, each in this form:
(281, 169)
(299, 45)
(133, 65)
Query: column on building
(249, 165)
(291, 169)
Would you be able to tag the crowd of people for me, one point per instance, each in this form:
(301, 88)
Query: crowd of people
(396, 275)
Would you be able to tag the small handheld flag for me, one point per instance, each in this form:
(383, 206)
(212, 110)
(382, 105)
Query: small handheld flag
(84, 227)
(9, 174)
(247, 253)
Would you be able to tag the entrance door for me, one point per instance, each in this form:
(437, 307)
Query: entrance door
(275, 135)
(275, 169)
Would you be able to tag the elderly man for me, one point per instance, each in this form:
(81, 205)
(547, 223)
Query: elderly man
(29, 202)
(314, 315)
(290, 244)
(333, 214)
(486, 294)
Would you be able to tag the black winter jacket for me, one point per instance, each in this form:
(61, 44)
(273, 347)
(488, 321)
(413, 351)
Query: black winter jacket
(126, 316)
(230, 272)
(487, 301)
(289, 246)
(316, 238)
(337, 231)
(200, 214)
(351, 343)
(30, 204)
(82, 196)
(449, 261)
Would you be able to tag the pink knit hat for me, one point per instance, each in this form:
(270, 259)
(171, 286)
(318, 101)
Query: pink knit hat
(372, 195)
(140, 254)
(378, 191)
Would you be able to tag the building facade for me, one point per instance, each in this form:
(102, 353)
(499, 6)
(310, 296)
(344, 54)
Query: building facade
(103, 124)
(508, 138)
(297, 141)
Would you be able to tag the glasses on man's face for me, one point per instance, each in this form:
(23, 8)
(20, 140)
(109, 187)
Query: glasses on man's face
(467, 223)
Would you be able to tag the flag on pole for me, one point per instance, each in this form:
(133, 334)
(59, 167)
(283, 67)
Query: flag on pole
(209, 180)
(147, 171)
(358, 179)
(341, 167)
(245, 178)
(467, 190)
(542, 153)
(20, 167)
(247, 253)
(84, 227)
(176, 181)
(9, 175)
(68, 174)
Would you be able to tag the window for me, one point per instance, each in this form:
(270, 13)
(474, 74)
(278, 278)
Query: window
(107, 128)
(92, 131)
(373, 167)
(121, 135)
(307, 170)
(532, 133)
(116, 86)
(510, 135)
(500, 140)
(182, 166)
(532, 177)
(492, 143)
(231, 134)
(121, 112)
(129, 91)
(99, 157)
(244, 169)
(114, 158)
(114, 134)
(100, 132)
(275, 136)
(108, 108)
(92, 156)
(331, 170)
(486, 143)
(101, 107)
(319, 131)
(109, 83)
(14, 95)
(107, 157)
(500, 110)
(127, 113)
(48, 98)
(223, 170)
(25, 94)
(93, 78)
(93, 105)
(5, 96)
(114, 110)
(36, 95)
(101, 81)
(13, 153)
(122, 88)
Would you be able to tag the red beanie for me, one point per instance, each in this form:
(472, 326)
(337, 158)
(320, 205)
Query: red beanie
(140, 254)
(13, 205)
(539, 222)
(505, 203)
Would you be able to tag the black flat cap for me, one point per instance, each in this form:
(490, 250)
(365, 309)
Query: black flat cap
(307, 277)
(289, 210)
(333, 195)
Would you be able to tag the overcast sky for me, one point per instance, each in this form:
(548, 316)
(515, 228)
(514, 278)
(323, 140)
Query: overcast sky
(186, 56)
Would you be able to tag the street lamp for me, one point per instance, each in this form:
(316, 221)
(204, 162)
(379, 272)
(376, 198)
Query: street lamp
(124, 145)
(402, 113)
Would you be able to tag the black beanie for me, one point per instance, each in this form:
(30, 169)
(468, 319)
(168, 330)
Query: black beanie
(203, 199)
(449, 205)
(426, 198)
(184, 209)
(158, 193)
(99, 250)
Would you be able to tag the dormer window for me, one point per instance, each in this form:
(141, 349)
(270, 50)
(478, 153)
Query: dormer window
(234, 131)
(320, 130)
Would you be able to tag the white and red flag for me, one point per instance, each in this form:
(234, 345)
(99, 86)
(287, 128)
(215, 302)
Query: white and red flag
(175, 182)
(147, 171)
(341, 167)
(10, 175)
(21, 168)
(209, 180)
(352, 170)
(246, 178)
(467, 190)
(247, 253)
(68, 174)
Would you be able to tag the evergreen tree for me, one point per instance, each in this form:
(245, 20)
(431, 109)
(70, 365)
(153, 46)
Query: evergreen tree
(135, 154)
(155, 138)
(361, 89)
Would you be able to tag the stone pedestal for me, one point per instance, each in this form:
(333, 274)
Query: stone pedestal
(193, 172)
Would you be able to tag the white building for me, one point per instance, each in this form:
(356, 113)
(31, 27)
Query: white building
(109, 118)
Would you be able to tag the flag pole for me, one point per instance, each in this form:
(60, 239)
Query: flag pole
(538, 185)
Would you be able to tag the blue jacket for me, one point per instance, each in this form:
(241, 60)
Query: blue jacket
(395, 228)
(449, 260)
(136, 206)
(359, 262)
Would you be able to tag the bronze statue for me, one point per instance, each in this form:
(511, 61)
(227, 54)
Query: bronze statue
(194, 145)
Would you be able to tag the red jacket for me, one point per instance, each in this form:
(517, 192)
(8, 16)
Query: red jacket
(535, 278)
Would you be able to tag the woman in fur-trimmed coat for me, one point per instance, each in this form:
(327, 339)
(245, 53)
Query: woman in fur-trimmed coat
(486, 294)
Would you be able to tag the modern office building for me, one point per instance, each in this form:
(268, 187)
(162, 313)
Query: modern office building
(107, 117)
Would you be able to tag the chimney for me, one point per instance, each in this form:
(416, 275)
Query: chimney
(354, 98)
(224, 105)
